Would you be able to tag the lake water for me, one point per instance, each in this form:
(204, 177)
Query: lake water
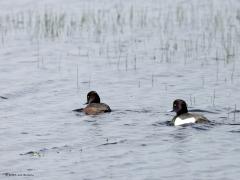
(139, 56)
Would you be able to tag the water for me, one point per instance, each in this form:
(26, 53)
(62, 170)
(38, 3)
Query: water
(139, 57)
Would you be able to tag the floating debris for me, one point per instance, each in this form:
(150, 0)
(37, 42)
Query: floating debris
(16, 174)
(235, 131)
(32, 153)
(2, 97)
(235, 111)
(111, 143)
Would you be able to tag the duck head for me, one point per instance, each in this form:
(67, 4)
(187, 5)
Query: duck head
(92, 97)
(180, 107)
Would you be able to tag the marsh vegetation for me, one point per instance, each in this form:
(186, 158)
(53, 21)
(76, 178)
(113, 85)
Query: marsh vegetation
(139, 56)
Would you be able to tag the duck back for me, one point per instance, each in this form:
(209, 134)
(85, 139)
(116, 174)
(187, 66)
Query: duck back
(96, 108)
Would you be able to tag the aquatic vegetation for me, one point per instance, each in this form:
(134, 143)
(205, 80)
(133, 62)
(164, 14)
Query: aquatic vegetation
(140, 55)
(182, 29)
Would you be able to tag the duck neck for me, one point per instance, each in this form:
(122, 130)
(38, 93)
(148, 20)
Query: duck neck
(94, 100)
(182, 111)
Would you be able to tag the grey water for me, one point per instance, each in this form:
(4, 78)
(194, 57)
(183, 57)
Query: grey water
(139, 56)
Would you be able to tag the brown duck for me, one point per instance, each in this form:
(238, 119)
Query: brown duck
(94, 105)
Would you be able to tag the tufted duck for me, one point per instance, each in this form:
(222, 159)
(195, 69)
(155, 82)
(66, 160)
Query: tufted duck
(183, 116)
(94, 106)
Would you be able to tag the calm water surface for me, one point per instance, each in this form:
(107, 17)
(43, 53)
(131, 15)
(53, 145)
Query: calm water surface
(139, 57)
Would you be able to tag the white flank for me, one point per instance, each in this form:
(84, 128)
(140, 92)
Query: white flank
(179, 121)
